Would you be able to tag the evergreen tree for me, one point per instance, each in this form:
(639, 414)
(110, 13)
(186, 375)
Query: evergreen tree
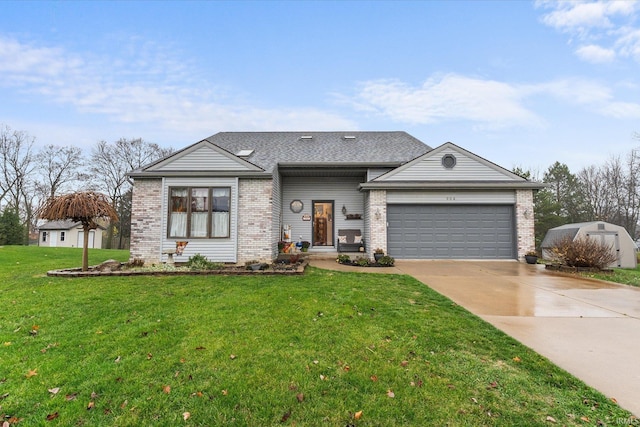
(12, 231)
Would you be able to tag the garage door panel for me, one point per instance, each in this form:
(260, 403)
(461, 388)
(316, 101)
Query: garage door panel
(451, 231)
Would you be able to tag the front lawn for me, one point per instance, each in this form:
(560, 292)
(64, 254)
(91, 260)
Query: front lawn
(325, 348)
(626, 276)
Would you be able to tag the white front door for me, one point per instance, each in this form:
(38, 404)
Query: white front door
(53, 238)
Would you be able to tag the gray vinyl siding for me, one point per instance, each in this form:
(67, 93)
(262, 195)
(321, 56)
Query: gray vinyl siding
(507, 197)
(376, 172)
(466, 169)
(342, 190)
(219, 250)
(276, 218)
(203, 158)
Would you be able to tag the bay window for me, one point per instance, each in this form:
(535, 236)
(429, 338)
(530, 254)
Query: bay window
(199, 212)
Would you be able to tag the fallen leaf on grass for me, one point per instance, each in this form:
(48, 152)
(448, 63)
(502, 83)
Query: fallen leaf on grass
(117, 359)
(613, 399)
(91, 405)
(585, 419)
(124, 404)
(357, 415)
(186, 415)
(232, 356)
(225, 392)
(51, 417)
(285, 417)
(374, 378)
(94, 395)
(149, 356)
(31, 373)
(391, 394)
(550, 419)
(404, 363)
(4, 396)
(166, 389)
(71, 396)
(200, 348)
(494, 384)
(300, 397)
(7, 343)
(54, 390)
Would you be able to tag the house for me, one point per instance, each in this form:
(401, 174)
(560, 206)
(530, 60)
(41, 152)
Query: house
(68, 234)
(614, 236)
(235, 195)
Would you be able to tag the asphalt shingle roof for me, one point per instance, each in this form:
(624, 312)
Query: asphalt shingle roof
(271, 148)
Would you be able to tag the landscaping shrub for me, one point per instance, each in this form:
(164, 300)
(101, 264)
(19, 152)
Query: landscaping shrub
(386, 261)
(582, 252)
(343, 259)
(200, 262)
(362, 262)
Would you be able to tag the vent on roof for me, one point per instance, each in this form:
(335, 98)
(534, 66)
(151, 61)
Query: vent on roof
(349, 137)
(244, 153)
(306, 137)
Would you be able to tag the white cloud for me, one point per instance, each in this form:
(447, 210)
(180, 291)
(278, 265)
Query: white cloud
(596, 54)
(147, 86)
(609, 22)
(488, 103)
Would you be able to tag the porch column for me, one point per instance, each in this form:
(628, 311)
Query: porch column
(525, 222)
(377, 221)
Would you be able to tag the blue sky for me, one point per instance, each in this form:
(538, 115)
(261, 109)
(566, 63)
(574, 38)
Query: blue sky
(519, 83)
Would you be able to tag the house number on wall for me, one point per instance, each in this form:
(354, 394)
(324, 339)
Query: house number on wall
(450, 197)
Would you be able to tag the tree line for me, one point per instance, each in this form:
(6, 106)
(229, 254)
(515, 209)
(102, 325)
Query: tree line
(608, 192)
(30, 175)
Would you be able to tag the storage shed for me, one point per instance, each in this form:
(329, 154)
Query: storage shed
(610, 234)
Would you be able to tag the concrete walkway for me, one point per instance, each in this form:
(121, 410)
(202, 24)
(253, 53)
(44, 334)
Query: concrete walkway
(587, 327)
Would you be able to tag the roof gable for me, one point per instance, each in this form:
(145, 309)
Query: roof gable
(202, 156)
(466, 167)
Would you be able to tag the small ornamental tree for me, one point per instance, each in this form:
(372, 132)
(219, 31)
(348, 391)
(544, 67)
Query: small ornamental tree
(83, 207)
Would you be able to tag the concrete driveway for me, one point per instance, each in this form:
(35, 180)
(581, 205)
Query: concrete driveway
(587, 327)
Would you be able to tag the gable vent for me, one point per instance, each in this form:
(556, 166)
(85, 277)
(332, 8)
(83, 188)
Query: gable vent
(306, 137)
(244, 153)
(349, 137)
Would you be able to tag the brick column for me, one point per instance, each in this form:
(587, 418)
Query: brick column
(146, 220)
(255, 239)
(525, 222)
(377, 221)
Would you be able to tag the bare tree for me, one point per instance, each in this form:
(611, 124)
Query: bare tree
(59, 168)
(110, 164)
(16, 166)
(600, 204)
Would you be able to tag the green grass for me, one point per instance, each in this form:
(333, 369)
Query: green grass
(258, 351)
(626, 276)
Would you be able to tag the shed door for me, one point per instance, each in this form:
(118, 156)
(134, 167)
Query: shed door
(451, 231)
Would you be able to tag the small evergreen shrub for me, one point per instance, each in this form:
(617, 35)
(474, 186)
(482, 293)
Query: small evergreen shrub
(200, 262)
(344, 259)
(386, 261)
(582, 252)
(362, 262)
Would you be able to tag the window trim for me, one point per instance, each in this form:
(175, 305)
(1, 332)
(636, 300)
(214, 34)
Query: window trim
(210, 191)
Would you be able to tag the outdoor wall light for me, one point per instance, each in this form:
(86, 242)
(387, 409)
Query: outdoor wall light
(344, 210)
(378, 215)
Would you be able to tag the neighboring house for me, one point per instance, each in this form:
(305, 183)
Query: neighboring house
(614, 236)
(232, 196)
(67, 234)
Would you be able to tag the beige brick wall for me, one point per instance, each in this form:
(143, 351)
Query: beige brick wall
(525, 222)
(255, 239)
(377, 221)
(146, 220)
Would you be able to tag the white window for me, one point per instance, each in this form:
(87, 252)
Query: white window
(199, 212)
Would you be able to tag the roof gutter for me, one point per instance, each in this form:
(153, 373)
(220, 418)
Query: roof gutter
(449, 185)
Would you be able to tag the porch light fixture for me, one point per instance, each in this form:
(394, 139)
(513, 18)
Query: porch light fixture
(344, 210)
(378, 214)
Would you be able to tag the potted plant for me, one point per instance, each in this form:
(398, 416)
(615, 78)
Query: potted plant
(531, 257)
(377, 254)
(305, 246)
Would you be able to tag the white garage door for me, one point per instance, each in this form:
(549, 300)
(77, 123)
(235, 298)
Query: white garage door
(451, 231)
